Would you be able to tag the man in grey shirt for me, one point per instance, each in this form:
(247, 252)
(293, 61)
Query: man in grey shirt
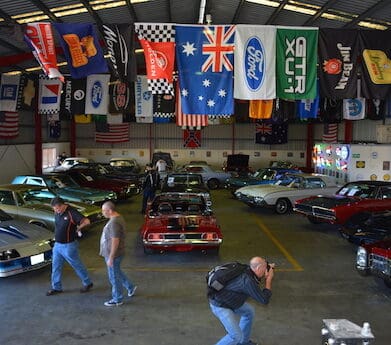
(112, 248)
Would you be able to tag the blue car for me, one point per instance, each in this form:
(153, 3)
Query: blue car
(261, 176)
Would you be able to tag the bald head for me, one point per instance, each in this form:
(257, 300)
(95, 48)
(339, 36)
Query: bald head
(108, 209)
(258, 265)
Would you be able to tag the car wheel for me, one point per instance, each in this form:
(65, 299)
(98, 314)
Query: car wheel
(387, 282)
(314, 220)
(149, 251)
(282, 206)
(213, 183)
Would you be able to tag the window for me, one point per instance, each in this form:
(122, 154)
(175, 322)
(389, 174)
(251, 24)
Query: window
(6, 198)
(49, 157)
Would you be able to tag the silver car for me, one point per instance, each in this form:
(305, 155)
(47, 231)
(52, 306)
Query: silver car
(213, 178)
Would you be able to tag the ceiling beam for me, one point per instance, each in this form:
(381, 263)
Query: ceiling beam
(11, 46)
(132, 11)
(237, 12)
(46, 11)
(322, 10)
(276, 12)
(92, 13)
(379, 5)
(7, 18)
(169, 11)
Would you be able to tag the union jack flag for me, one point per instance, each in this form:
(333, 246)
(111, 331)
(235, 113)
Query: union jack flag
(218, 48)
(264, 128)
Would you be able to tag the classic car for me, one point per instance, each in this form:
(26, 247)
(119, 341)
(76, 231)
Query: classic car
(284, 192)
(128, 165)
(185, 183)
(63, 186)
(69, 162)
(107, 171)
(23, 247)
(180, 222)
(213, 178)
(237, 163)
(89, 178)
(22, 202)
(261, 176)
(351, 199)
(375, 258)
(166, 156)
(367, 227)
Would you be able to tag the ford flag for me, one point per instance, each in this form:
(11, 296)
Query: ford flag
(255, 55)
(97, 94)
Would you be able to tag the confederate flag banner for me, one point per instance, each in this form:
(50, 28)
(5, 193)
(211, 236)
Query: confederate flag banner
(255, 62)
(296, 62)
(338, 52)
(158, 41)
(205, 66)
(191, 138)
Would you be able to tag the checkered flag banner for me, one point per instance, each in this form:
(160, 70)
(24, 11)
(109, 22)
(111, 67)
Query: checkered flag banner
(158, 42)
(49, 95)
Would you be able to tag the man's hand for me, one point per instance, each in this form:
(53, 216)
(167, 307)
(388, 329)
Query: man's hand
(109, 262)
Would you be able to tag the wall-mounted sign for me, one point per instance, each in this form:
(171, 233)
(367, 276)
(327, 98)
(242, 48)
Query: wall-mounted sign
(360, 164)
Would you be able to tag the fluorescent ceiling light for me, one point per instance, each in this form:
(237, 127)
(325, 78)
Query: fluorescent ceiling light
(298, 9)
(265, 2)
(372, 25)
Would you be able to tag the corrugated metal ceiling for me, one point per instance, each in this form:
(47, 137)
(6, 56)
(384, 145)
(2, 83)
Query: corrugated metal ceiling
(325, 13)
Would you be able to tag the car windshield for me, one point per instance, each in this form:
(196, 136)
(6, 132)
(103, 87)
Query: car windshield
(4, 216)
(184, 180)
(265, 174)
(123, 163)
(61, 182)
(34, 196)
(358, 190)
(288, 180)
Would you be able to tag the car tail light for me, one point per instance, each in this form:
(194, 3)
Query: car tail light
(209, 236)
(155, 237)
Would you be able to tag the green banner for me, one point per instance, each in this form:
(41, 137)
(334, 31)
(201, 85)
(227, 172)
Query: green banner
(296, 62)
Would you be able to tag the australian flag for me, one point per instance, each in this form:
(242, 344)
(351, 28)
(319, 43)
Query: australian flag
(270, 132)
(205, 65)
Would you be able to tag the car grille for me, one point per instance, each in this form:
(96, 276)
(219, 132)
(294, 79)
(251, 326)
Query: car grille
(322, 212)
(246, 198)
(183, 236)
(304, 208)
(380, 264)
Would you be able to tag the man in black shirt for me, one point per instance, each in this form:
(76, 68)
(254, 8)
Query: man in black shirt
(230, 302)
(151, 183)
(68, 222)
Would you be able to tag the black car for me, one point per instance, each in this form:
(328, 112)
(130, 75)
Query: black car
(185, 183)
(367, 227)
(166, 156)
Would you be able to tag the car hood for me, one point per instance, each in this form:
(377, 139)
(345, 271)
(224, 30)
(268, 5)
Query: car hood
(181, 223)
(82, 193)
(185, 189)
(263, 190)
(85, 209)
(241, 181)
(327, 201)
(14, 232)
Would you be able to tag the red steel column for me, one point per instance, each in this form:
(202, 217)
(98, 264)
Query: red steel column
(348, 131)
(38, 140)
(233, 137)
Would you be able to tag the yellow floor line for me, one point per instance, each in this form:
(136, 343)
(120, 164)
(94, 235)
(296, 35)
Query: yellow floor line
(289, 257)
(171, 269)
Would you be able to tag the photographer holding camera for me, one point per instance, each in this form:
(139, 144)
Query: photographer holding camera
(230, 302)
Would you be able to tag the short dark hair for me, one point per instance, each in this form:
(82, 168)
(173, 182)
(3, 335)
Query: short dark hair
(57, 201)
(149, 165)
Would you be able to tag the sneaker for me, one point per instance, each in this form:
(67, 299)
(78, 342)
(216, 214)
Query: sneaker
(113, 303)
(132, 292)
(52, 292)
(250, 342)
(86, 288)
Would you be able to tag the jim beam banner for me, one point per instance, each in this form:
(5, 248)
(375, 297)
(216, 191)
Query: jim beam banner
(338, 53)
(296, 62)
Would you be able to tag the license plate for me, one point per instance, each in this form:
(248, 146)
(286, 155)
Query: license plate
(37, 259)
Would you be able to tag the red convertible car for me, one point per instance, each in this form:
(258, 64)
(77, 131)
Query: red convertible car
(180, 222)
(350, 200)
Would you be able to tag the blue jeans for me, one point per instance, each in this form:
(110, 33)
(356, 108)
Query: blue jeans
(148, 195)
(237, 332)
(67, 252)
(118, 279)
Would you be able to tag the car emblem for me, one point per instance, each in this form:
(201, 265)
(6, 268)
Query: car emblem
(182, 236)
(254, 63)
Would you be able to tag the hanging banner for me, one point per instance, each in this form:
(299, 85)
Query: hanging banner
(39, 37)
(9, 125)
(338, 55)
(119, 40)
(158, 42)
(308, 108)
(255, 56)
(108, 133)
(375, 46)
(27, 99)
(261, 109)
(271, 133)
(9, 90)
(81, 49)
(97, 94)
(143, 100)
(296, 49)
(119, 93)
(354, 108)
(191, 138)
(49, 95)
(163, 108)
(205, 67)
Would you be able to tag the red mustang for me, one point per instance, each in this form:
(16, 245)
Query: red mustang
(180, 222)
(351, 200)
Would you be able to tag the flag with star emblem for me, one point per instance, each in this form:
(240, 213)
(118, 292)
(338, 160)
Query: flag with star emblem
(191, 138)
(271, 133)
(205, 66)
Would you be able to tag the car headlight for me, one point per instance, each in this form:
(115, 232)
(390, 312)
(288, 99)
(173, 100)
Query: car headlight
(88, 201)
(258, 199)
(238, 194)
(362, 257)
(9, 254)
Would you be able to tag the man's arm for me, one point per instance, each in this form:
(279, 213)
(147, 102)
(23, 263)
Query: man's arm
(114, 247)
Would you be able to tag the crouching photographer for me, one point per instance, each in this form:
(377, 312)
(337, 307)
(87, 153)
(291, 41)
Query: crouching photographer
(229, 300)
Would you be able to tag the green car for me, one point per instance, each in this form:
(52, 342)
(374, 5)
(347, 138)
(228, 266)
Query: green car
(23, 202)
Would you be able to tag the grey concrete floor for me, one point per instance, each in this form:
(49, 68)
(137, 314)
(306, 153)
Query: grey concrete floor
(315, 279)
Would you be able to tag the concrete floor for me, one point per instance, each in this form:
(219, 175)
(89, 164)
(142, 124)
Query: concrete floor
(315, 279)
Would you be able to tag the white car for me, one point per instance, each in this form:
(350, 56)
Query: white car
(70, 162)
(282, 195)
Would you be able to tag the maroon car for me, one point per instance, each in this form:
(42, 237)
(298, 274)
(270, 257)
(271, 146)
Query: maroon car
(353, 198)
(375, 259)
(180, 222)
(89, 178)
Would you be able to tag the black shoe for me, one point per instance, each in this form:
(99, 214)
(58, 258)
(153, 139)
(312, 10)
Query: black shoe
(86, 288)
(52, 292)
